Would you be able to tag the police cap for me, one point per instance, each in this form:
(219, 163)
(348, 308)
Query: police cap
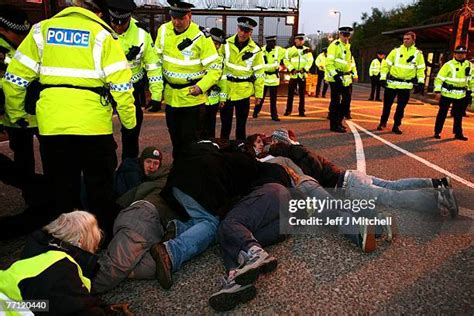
(461, 49)
(120, 10)
(246, 23)
(346, 30)
(14, 19)
(217, 35)
(300, 36)
(272, 38)
(179, 8)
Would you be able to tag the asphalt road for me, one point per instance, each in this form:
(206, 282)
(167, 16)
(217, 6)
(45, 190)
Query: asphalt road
(428, 269)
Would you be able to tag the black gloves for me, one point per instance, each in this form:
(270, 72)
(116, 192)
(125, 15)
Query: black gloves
(22, 123)
(383, 83)
(419, 87)
(338, 79)
(154, 106)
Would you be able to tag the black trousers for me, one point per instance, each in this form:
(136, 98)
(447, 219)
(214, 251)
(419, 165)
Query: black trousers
(65, 158)
(273, 101)
(208, 121)
(301, 83)
(183, 125)
(131, 137)
(340, 103)
(242, 108)
(403, 95)
(375, 87)
(321, 81)
(21, 143)
(457, 111)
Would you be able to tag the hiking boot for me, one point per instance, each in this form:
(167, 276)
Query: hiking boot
(447, 204)
(252, 263)
(231, 294)
(388, 230)
(170, 232)
(367, 238)
(163, 265)
(397, 130)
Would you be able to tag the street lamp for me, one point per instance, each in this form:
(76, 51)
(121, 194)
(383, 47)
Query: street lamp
(338, 20)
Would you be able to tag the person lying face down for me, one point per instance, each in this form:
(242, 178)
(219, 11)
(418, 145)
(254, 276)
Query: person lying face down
(419, 194)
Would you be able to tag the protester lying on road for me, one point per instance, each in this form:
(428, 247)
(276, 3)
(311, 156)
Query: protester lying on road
(419, 194)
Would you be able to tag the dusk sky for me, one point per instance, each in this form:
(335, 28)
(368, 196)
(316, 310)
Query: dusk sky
(316, 14)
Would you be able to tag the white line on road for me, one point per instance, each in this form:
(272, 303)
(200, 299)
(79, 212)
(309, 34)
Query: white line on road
(409, 154)
(361, 166)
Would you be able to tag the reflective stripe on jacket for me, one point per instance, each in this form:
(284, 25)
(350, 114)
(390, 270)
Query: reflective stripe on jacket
(405, 64)
(296, 59)
(76, 48)
(452, 80)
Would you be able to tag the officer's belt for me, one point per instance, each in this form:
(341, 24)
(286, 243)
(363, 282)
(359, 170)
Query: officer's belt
(451, 87)
(234, 79)
(190, 83)
(272, 72)
(344, 73)
(102, 91)
(390, 77)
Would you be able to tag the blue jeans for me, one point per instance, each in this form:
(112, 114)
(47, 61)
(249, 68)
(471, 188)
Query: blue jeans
(195, 235)
(407, 194)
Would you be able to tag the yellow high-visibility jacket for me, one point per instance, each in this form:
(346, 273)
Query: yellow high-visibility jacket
(30, 268)
(198, 62)
(320, 62)
(147, 60)
(272, 60)
(251, 69)
(296, 59)
(4, 119)
(375, 67)
(339, 61)
(454, 79)
(403, 66)
(75, 48)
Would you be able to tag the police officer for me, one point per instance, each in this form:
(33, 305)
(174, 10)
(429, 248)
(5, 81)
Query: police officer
(374, 73)
(143, 59)
(298, 60)
(340, 67)
(245, 76)
(74, 57)
(216, 93)
(403, 67)
(14, 27)
(273, 56)
(320, 63)
(190, 68)
(454, 82)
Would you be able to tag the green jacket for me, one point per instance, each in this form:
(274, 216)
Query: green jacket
(250, 69)
(454, 79)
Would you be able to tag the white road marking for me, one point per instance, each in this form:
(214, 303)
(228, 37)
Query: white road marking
(360, 155)
(409, 154)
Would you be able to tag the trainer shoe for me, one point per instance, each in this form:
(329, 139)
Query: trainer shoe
(170, 232)
(441, 183)
(447, 204)
(388, 230)
(163, 265)
(367, 238)
(252, 263)
(231, 294)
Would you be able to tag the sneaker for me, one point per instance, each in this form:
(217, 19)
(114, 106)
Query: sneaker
(447, 204)
(231, 294)
(367, 238)
(252, 263)
(170, 232)
(442, 183)
(163, 265)
(389, 230)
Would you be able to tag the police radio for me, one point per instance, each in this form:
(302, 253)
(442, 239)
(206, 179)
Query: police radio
(188, 42)
(409, 59)
(133, 52)
(247, 55)
(467, 71)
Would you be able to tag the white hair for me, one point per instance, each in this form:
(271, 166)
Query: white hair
(78, 228)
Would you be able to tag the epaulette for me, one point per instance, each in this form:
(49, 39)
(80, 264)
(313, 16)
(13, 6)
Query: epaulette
(337, 42)
(204, 31)
(142, 26)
